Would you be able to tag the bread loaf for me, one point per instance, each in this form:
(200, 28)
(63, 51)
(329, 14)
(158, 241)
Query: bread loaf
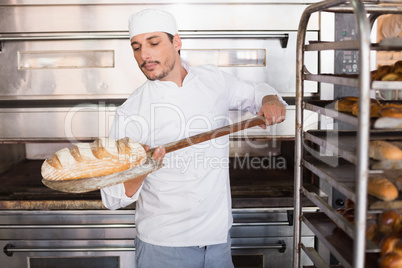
(383, 150)
(397, 67)
(382, 188)
(86, 160)
(389, 222)
(375, 107)
(388, 243)
(394, 112)
(391, 77)
(390, 260)
(345, 104)
(382, 71)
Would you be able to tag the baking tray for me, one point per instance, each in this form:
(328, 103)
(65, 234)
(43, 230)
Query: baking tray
(343, 143)
(343, 179)
(327, 108)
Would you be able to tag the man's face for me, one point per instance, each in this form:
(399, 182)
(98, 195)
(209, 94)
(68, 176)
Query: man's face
(155, 54)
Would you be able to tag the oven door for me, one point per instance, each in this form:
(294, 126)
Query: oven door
(67, 238)
(267, 252)
(264, 238)
(68, 253)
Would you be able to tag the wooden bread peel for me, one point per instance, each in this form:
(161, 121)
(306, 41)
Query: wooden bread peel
(151, 165)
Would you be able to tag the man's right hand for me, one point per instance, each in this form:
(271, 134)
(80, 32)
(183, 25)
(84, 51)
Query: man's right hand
(158, 154)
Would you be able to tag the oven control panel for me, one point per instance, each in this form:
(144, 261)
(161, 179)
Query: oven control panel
(345, 30)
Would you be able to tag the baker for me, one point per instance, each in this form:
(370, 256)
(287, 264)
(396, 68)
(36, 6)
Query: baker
(183, 211)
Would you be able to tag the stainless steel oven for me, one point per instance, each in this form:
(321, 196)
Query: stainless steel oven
(73, 238)
(92, 238)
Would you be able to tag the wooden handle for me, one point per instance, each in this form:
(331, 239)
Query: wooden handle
(216, 133)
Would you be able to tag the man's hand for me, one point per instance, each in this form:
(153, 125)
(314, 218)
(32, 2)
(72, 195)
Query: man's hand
(158, 154)
(273, 110)
(131, 186)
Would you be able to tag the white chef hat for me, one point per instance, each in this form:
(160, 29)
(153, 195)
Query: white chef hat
(152, 20)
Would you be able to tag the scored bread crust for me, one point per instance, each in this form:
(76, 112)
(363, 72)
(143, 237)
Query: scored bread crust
(87, 160)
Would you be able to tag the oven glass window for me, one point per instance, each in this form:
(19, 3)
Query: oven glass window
(248, 261)
(225, 57)
(81, 262)
(65, 59)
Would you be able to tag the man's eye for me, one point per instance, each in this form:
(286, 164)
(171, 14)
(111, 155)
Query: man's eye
(136, 48)
(155, 44)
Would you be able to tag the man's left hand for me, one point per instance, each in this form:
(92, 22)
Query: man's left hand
(273, 110)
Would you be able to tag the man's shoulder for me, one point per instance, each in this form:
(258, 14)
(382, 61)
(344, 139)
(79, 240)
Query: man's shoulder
(208, 69)
(135, 96)
(208, 72)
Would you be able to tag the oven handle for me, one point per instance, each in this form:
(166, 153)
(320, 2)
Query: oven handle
(10, 249)
(268, 223)
(289, 222)
(123, 35)
(281, 246)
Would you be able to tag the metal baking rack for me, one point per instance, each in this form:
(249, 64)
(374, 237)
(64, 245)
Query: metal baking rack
(348, 168)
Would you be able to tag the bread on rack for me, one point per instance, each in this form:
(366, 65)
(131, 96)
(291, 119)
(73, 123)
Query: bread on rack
(381, 72)
(86, 160)
(375, 107)
(397, 67)
(382, 188)
(389, 222)
(383, 150)
(345, 104)
(388, 243)
(390, 260)
(371, 229)
(391, 72)
(391, 111)
(392, 77)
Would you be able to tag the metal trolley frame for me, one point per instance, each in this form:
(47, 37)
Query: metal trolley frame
(363, 251)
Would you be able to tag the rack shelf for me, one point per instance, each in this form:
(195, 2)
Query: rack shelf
(340, 244)
(327, 108)
(343, 143)
(352, 81)
(341, 176)
(390, 44)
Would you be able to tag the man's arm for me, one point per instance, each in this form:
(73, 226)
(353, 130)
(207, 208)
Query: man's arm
(132, 186)
(273, 110)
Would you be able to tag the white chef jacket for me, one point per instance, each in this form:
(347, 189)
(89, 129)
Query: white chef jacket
(188, 201)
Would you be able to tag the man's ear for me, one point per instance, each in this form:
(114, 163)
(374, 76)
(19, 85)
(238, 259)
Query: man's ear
(177, 42)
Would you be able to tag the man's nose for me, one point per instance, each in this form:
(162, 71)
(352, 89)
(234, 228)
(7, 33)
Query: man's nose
(145, 54)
